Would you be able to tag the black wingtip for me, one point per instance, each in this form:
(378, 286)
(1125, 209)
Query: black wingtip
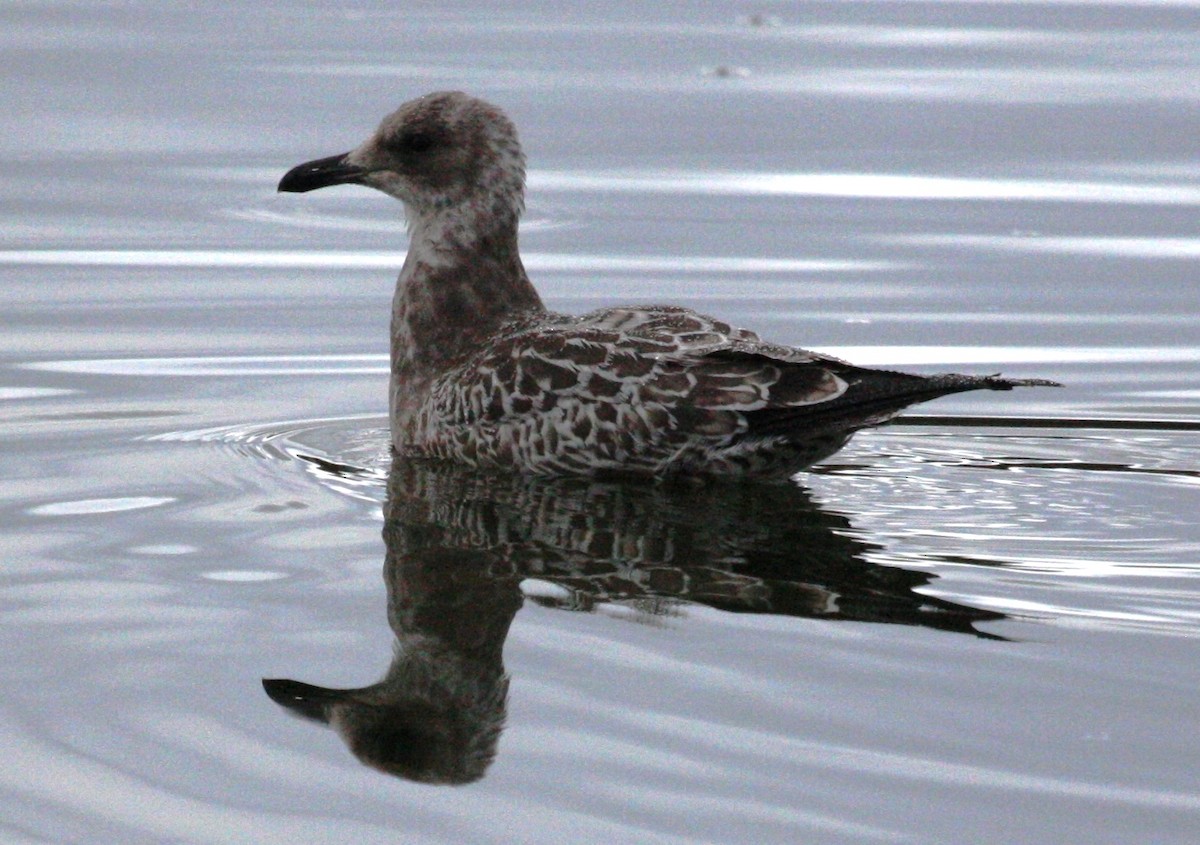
(998, 382)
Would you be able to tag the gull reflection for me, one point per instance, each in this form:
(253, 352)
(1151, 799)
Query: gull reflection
(461, 545)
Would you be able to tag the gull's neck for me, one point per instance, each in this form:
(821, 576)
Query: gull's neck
(461, 281)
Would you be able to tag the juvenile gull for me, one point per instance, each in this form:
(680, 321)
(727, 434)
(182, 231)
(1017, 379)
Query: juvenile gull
(482, 373)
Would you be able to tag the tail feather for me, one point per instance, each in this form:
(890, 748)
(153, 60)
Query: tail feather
(872, 399)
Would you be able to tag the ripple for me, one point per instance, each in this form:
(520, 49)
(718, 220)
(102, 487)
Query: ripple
(867, 186)
(1100, 504)
(1052, 81)
(1172, 248)
(243, 576)
(1086, 510)
(222, 365)
(12, 393)
(170, 549)
(81, 507)
(349, 455)
(894, 356)
(358, 260)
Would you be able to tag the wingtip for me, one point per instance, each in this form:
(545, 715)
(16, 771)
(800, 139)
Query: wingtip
(1034, 382)
(996, 381)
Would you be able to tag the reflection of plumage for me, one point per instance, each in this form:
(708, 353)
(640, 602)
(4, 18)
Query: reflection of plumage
(437, 714)
(460, 543)
(755, 548)
(484, 375)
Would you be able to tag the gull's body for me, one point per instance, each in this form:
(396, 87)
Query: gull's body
(482, 373)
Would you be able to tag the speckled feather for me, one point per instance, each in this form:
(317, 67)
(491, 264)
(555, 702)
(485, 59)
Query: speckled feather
(654, 390)
(483, 374)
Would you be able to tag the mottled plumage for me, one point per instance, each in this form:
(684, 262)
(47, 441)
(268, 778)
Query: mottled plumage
(483, 374)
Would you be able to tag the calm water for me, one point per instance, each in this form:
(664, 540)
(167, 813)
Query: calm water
(977, 625)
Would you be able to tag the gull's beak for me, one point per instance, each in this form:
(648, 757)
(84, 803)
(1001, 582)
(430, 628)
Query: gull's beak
(303, 699)
(321, 173)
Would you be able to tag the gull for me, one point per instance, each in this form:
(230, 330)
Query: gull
(483, 374)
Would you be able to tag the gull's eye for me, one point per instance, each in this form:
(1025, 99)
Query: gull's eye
(414, 142)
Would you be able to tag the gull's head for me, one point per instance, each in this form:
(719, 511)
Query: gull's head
(444, 152)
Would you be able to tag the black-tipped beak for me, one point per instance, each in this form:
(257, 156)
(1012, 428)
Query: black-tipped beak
(321, 174)
(303, 699)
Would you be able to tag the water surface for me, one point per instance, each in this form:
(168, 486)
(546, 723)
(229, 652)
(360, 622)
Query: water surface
(978, 624)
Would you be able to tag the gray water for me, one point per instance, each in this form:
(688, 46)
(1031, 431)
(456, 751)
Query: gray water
(976, 625)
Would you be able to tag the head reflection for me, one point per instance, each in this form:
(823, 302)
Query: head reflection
(461, 544)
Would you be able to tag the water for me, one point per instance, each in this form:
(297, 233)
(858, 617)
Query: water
(975, 625)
